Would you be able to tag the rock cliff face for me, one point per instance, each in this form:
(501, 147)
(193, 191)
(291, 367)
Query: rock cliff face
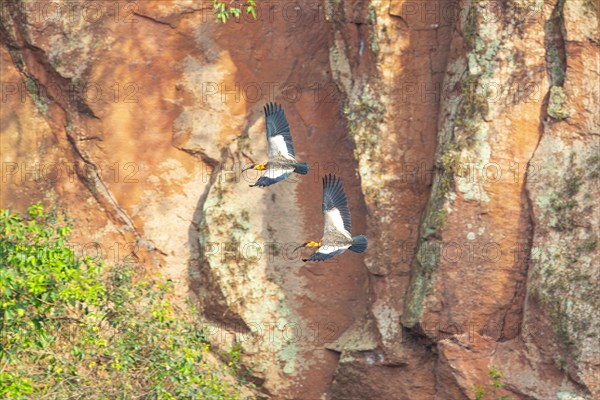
(495, 268)
(466, 134)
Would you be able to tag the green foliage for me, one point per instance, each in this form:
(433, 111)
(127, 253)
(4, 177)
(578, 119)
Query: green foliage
(225, 12)
(41, 281)
(234, 356)
(495, 375)
(478, 391)
(73, 331)
(481, 393)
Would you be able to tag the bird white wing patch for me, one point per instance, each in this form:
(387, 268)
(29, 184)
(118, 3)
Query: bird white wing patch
(328, 249)
(334, 222)
(276, 172)
(277, 147)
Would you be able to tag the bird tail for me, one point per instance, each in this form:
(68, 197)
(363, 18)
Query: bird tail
(301, 168)
(359, 244)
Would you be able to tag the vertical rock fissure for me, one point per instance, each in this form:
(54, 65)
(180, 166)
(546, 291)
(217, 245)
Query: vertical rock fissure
(556, 55)
(516, 305)
(556, 62)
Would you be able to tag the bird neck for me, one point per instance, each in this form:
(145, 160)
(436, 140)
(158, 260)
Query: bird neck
(313, 244)
(261, 167)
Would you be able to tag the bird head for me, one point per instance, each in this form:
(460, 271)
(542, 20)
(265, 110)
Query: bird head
(310, 244)
(258, 167)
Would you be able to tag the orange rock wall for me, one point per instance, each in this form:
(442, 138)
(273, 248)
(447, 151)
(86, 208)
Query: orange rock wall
(466, 134)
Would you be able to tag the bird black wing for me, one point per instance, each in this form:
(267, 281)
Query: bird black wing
(271, 178)
(335, 205)
(279, 136)
(318, 256)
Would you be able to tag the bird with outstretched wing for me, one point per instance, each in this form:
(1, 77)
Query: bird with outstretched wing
(282, 158)
(337, 237)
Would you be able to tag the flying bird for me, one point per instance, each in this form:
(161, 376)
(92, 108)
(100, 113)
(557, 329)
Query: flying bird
(337, 237)
(282, 161)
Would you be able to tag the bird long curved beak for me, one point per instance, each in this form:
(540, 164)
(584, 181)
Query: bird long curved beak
(250, 167)
(299, 247)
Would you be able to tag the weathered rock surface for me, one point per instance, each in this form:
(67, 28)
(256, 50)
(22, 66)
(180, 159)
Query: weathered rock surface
(467, 136)
(478, 78)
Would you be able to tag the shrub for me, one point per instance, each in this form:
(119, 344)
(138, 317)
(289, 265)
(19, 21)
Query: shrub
(71, 330)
